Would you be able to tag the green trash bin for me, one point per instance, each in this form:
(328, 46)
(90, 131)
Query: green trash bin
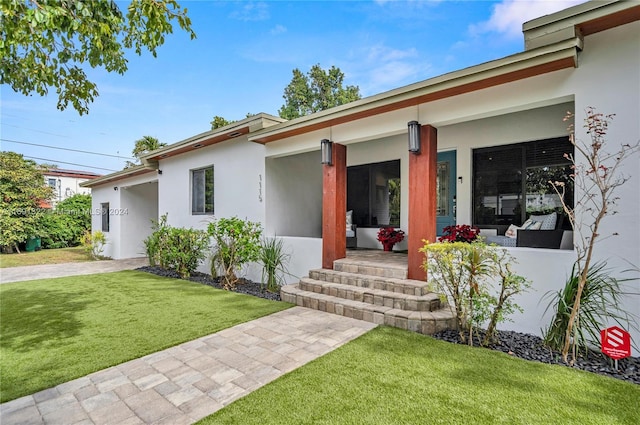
(34, 243)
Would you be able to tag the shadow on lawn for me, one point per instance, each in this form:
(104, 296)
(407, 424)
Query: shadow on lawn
(34, 317)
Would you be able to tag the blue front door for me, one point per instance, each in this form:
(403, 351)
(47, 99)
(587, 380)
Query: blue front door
(446, 191)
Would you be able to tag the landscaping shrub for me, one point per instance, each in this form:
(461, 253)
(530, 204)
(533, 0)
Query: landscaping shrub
(94, 243)
(57, 231)
(156, 240)
(176, 248)
(236, 243)
(66, 224)
(477, 279)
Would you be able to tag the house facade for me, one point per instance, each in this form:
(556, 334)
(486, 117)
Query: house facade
(66, 183)
(490, 134)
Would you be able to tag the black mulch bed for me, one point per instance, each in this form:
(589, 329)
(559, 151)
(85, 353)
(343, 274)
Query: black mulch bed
(243, 287)
(524, 346)
(529, 347)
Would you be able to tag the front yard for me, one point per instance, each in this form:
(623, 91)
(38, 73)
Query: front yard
(45, 256)
(390, 376)
(56, 330)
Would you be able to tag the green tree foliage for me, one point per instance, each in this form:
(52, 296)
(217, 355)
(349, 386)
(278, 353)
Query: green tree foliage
(316, 91)
(477, 281)
(218, 122)
(22, 190)
(66, 225)
(142, 147)
(45, 43)
(145, 145)
(236, 243)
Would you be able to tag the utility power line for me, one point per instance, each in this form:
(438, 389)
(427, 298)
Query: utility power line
(68, 163)
(66, 149)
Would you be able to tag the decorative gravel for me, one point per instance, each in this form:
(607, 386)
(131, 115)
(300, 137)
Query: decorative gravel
(244, 286)
(530, 347)
(524, 346)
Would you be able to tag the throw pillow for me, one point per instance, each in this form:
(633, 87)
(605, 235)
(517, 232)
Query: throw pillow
(349, 218)
(512, 231)
(548, 221)
(531, 225)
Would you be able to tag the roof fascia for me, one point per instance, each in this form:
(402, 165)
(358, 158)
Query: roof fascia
(118, 175)
(580, 20)
(231, 131)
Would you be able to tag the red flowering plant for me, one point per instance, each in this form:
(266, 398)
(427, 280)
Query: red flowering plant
(389, 237)
(459, 233)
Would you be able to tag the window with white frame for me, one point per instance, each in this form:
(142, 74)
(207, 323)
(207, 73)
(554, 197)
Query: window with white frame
(202, 191)
(104, 211)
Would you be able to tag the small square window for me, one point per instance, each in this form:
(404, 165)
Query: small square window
(202, 191)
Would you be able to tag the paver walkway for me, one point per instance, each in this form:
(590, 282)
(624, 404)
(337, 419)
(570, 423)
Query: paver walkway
(190, 381)
(46, 271)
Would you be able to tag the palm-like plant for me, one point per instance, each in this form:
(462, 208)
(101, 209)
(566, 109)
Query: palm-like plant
(600, 301)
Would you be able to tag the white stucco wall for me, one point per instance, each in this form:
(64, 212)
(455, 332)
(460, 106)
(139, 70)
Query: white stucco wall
(123, 238)
(239, 186)
(66, 187)
(294, 195)
(608, 78)
(141, 207)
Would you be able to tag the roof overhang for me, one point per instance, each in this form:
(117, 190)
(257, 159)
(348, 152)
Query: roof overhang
(580, 20)
(134, 171)
(228, 132)
(552, 43)
(512, 68)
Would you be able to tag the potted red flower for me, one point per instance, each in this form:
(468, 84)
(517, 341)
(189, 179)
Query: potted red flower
(389, 236)
(459, 233)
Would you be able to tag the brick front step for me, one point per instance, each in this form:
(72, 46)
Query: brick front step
(370, 268)
(369, 295)
(402, 285)
(425, 322)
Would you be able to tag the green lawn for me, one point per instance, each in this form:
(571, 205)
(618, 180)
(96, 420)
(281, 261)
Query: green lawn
(45, 256)
(55, 330)
(389, 376)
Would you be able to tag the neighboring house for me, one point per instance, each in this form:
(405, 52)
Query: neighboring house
(66, 183)
(482, 129)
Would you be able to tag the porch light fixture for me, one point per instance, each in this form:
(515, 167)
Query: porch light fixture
(414, 137)
(326, 146)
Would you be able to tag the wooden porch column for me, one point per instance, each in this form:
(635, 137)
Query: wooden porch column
(422, 199)
(334, 207)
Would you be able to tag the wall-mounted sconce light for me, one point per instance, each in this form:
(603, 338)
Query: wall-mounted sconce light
(460, 179)
(414, 136)
(326, 146)
(115, 187)
(159, 171)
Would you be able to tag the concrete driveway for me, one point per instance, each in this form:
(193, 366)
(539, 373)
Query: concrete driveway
(46, 271)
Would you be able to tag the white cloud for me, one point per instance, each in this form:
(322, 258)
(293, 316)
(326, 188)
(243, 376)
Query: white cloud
(381, 68)
(252, 11)
(509, 15)
(278, 29)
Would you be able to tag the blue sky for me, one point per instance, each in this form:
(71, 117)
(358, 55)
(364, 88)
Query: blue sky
(242, 60)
